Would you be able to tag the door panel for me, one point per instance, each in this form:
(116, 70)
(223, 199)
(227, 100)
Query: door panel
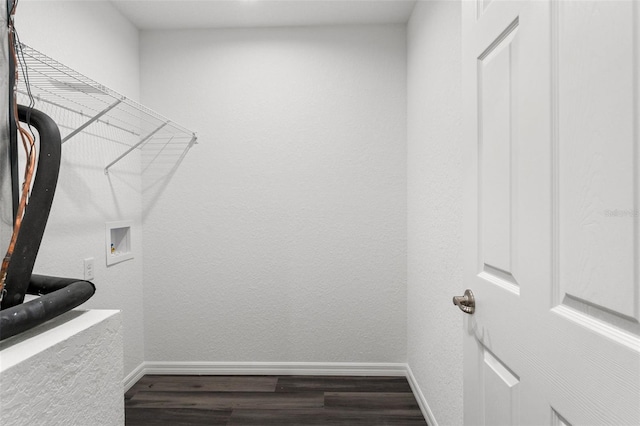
(597, 158)
(492, 364)
(558, 420)
(501, 392)
(551, 126)
(497, 77)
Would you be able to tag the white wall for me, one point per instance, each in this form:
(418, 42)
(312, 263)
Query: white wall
(281, 236)
(94, 39)
(434, 177)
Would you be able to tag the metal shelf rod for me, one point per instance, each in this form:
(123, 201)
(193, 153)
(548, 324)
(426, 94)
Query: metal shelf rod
(143, 140)
(91, 120)
(39, 98)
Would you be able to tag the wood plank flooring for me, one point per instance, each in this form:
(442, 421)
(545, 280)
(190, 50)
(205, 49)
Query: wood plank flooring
(271, 400)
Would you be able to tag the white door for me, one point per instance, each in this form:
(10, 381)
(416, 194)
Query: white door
(552, 128)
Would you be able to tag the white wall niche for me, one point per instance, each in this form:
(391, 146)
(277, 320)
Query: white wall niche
(118, 241)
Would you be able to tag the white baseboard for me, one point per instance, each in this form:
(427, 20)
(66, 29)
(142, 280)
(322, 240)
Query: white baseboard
(282, 369)
(276, 368)
(134, 376)
(422, 402)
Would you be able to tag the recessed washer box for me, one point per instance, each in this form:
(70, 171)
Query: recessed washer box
(118, 238)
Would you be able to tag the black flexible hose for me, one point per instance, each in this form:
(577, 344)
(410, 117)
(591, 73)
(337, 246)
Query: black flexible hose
(27, 315)
(36, 213)
(59, 294)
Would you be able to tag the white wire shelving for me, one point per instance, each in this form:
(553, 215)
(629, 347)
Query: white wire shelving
(84, 105)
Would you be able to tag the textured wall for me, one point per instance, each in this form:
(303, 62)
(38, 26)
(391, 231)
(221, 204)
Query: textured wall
(281, 236)
(70, 375)
(94, 39)
(434, 206)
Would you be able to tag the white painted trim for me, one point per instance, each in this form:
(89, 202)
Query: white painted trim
(134, 376)
(276, 368)
(284, 368)
(422, 402)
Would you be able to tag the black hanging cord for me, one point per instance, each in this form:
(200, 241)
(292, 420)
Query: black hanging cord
(13, 131)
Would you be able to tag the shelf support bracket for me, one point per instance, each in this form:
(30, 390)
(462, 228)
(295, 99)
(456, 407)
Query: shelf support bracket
(91, 120)
(143, 140)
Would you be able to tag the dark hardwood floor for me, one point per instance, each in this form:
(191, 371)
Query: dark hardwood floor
(271, 400)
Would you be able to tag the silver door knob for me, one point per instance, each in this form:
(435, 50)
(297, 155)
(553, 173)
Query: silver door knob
(466, 303)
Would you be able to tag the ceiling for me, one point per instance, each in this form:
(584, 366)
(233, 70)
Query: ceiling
(196, 14)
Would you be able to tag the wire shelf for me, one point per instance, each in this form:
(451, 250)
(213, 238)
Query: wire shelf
(81, 104)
